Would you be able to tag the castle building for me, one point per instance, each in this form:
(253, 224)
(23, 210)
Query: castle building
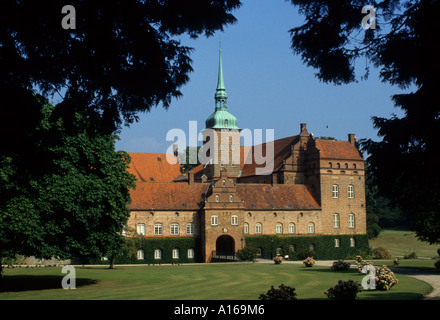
(311, 201)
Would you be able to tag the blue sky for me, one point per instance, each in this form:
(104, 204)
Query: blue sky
(268, 87)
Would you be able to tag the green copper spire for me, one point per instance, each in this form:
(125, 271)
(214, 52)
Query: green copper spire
(221, 118)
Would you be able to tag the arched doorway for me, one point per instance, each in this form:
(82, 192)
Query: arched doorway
(225, 245)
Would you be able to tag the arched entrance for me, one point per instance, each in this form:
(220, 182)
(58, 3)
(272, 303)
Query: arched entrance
(225, 245)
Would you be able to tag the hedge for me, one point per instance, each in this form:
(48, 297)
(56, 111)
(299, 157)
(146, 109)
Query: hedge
(148, 245)
(324, 246)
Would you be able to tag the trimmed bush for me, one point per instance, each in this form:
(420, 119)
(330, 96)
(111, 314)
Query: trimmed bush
(249, 253)
(344, 290)
(437, 264)
(340, 265)
(282, 293)
(382, 253)
(411, 255)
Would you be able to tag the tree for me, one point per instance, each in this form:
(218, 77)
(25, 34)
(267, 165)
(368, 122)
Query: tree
(121, 59)
(402, 47)
(73, 204)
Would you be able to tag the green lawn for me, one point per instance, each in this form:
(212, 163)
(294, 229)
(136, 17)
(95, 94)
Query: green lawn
(239, 281)
(402, 242)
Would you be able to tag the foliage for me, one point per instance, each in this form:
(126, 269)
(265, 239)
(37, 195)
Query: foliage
(344, 290)
(385, 278)
(309, 262)
(412, 255)
(382, 253)
(114, 64)
(70, 198)
(437, 264)
(402, 47)
(278, 259)
(324, 246)
(282, 293)
(340, 265)
(248, 253)
(361, 263)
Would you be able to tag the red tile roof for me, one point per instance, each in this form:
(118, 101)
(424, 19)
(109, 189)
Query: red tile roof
(277, 197)
(282, 149)
(331, 149)
(154, 167)
(168, 196)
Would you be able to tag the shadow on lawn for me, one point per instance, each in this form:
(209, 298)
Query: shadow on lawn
(29, 282)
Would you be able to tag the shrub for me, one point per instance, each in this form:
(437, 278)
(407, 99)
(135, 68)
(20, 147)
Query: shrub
(411, 255)
(361, 263)
(309, 262)
(340, 265)
(278, 260)
(385, 278)
(344, 290)
(282, 293)
(437, 264)
(382, 253)
(438, 251)
(249, 253)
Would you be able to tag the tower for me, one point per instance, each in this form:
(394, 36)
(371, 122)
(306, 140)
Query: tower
(221, 137)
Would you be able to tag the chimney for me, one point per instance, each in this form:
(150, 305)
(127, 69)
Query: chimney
(351, 138)
(175, 150)
(302, 126)
(191, 178)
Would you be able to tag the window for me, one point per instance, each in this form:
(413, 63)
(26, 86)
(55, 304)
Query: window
(336, 220)
(158, 229)
(124, 231)
(174, 229)
(246, 228)
(351, 220)
(158, 254)
(231, 198)
(291, 227)
(140, 229)
(214, 220)
(312, 247)
(175, 253)
(190, 253)
(350, 191)
(352, 242)
(335, 191)
(337, 243)
(190, 229)
(311, 227)
(279, 228)
(234, 220)
(224, 183)
(292, 248)
(258, 228)
(140, 255)
(217, 198)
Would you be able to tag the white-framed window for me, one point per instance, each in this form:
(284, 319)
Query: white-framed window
(337, 243)
(217, 198)
(190, 229)
(336, 220)
(291, 227)
(246, 228)
(311, 227)
(140, 228)
(158, 254)
(224, 183)
(351, 220)
(174, 229)
(140, 255)
(231, 198)
(335, 191)
(176, 253)
(258, 228)
(312, 247)
(214, 220)
(124, 231)
(350, 191)
(158, 229)
(190, 253)
(279, 228)
(352, 242)
(234, 220)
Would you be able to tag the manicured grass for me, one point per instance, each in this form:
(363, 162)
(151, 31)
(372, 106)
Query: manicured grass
(402, 242)
(239, 281)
